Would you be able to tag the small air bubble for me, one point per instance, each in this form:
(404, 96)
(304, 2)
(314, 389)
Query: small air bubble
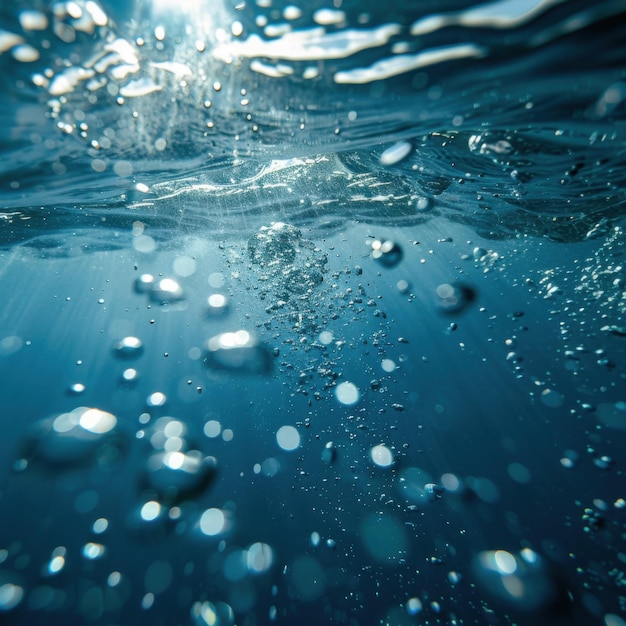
(395, 153)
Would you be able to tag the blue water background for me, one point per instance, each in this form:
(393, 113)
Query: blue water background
(501, 393)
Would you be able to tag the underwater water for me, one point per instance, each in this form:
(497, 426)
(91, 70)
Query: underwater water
(312, 312)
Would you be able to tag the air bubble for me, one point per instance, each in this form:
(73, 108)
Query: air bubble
(156, 399)
(329, 453)
(33, 20)
(288, 438)
(236, 28)
(291, 12)
(259, 558)
(217, 304)
(166, 290)
(433, 491)
(93, 551)
(327, 17)
(144, 283)
(396, 153)
(25, 53)
(326, 337)
(388, 253)
(413, 606)
(453, 298)
(552, 398)
(381, 456)
(212, 429)
(217, 280)
(213, 522)
(388, 365)
(128, 347)
(175, 476)
(522, 580)
(238, 351)
(129, 375)
(275, 244)
(11, 593)
(81, 436)
(212, 614)
(150, 510)
(424, 204)
(347, 393)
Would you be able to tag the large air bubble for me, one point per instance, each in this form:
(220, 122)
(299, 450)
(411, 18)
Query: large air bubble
(239, 352)
(81, 436)
(175, 476)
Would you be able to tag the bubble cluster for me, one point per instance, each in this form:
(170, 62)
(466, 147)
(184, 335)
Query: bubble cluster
(522, 580)
(275, 246)
(289, 264)
(159, 290)
(175, 470)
